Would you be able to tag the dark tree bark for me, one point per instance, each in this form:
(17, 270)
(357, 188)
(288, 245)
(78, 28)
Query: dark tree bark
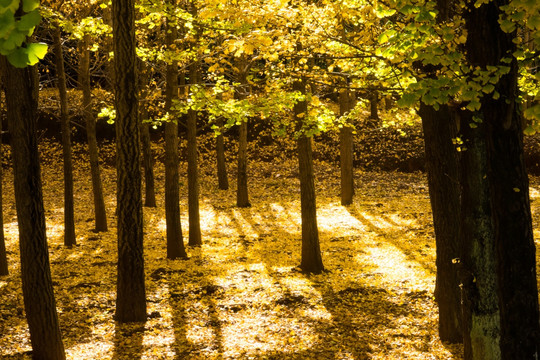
(193, 168)
(131, 294)
(93, 152)
(175, 240)
(486, 45)
(442, 165)
(223, 180)
(69, 219)
(3, 255)
(374, 108)
(242, 196)
(311, 262)
(346, 150)
(481, 321)
(148, 159)
(21, 101)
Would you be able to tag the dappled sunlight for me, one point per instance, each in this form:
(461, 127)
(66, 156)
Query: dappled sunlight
(241, 295)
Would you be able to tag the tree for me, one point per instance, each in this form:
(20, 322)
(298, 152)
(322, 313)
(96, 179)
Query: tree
(311, 253)
(488, 46)
(148, 159)
(100, 211)
(131, 293)
(3, 255)
(38, 293)
(442, 166)
(242, 196)
(69, 218)
(175, 240)
(346, 149)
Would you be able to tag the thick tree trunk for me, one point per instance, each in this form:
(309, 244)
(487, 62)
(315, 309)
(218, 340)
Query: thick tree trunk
(311, 262)
(69, 220)
(148, 159)
(223, 180)
(481, 321)
(131, 294)
(486, 45)
(193, 171)
(90, 120)
(175, 240)
(346, 150)
(442, 165)
(39, 303)
(3, 255)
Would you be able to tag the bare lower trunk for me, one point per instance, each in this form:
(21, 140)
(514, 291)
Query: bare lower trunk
(97, 188)
(242, 197)
(39, 302)
(175, 240)
(69, 220)
(442, 165)
(311, 262)
(223, 180)
(148, 159)
(346, 150)
(3, 255)
(131, 293)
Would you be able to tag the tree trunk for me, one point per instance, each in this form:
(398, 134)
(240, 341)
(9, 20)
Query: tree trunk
(346, 150)
(69, 220)
(131, 294)
(175, 240)
(3, 254)
(481, 322)
(311, 262)
(223, 180)
(242, 197)
(487, 45)
(148, 159)
(39, 303)
(442, 165)
(193, 171)
(90, 120)
(374, 108)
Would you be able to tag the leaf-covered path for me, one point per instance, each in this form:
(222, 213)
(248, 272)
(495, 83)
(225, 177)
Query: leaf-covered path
(241, 295)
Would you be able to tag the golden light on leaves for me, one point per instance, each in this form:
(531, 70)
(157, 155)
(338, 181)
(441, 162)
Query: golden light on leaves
(241, 295)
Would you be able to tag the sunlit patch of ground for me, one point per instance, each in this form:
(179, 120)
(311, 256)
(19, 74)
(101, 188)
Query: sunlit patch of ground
(241, 296)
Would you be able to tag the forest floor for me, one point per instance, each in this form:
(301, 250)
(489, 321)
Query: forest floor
(241, 295)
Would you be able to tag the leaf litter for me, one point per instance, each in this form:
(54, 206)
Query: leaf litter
(241, 295)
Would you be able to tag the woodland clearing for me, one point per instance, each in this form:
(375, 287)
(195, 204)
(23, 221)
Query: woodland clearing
(241, 295)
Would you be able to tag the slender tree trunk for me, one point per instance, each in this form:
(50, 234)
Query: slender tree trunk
(69, 220)
(346, 150)
(97, 188)
(193, 171)
(148, 159)
(242, 197)
(131, 293)
(374, 108)
(442, 165)
(175, 240)
(223, 180)
(311, 262)
(486, 46)
(39, 303)
(481, 321)
(3, 254)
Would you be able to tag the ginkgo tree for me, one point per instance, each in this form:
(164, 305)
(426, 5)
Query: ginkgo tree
(19, 19)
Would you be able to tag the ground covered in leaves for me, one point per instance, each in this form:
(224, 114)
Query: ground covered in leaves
(241, 296)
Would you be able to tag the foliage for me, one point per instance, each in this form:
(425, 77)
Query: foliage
(18, 19)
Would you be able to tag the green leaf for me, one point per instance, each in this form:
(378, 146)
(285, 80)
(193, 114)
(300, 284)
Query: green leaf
(29, 21)
(18, 58)
(9, 5)
(36, 52)
(30, 5)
